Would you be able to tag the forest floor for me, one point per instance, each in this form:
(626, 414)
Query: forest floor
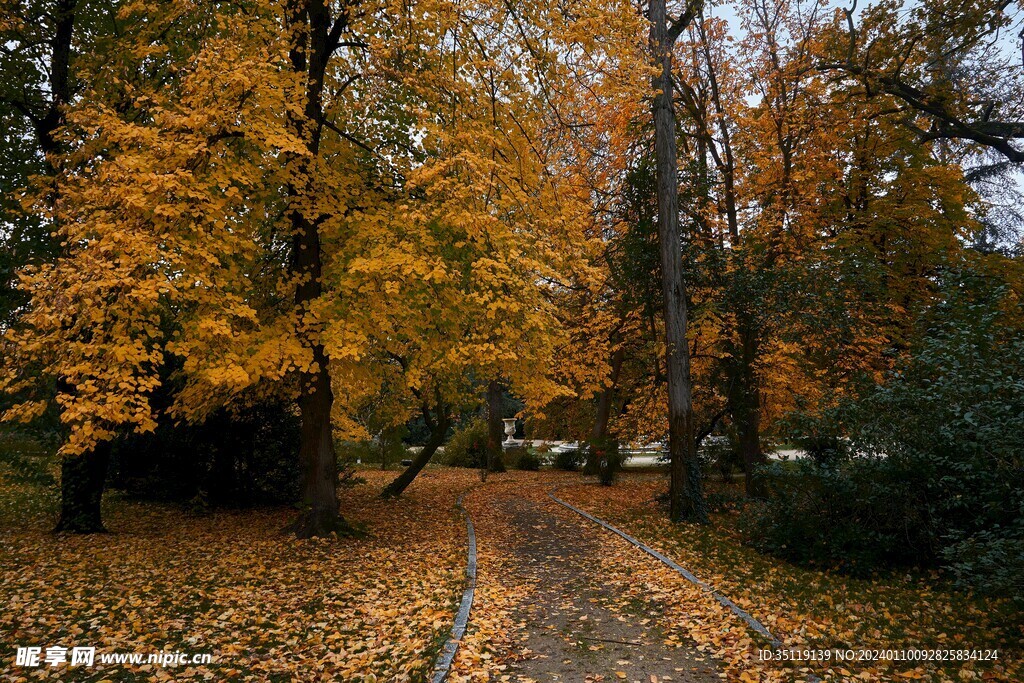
(820, 613)
(558, 599)
(229, 583)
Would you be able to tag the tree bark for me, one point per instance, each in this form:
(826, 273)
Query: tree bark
(438, 430)
(315, 40)
(599, 434)
(82, 479)
(495, 431)
(319, 516)
(746, 408)
(686, 499)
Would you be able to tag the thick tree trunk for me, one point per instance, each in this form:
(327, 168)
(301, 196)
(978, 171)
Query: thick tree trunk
(495, 428)
(686, 499)
(438, 430)
(82, 480)
(315, 40)
(83, 476)
(319, 516)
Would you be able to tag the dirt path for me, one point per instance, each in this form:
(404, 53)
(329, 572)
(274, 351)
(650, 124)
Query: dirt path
(576, 627)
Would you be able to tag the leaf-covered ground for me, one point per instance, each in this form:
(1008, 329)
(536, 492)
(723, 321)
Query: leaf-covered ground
(552, 588)
(555, 602)
(819, 610)
(266, 606)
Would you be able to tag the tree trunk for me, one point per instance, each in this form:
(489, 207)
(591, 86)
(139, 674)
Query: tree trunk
(495, 430)
(314, 41)
(438, 430)
(82, 479)
(319, 516)
(746, 409)
(686, 499)
(83, 476)
(599, 434)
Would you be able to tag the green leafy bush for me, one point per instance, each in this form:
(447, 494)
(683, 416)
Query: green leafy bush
(569, 460)
(468, 446)
(857, 517)
(933, 475)
(26, 459)
(522, 459)
(990, 561)
(387, 449)
(719, 455)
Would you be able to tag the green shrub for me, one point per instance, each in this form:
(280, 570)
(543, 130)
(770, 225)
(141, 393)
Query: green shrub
(990, 561)
(520, 458)
(387, 449)
(933, 473)
(856, 518)
(723, 501)
(26, 459)
(819, 434)
(718, 454)
(569, 460)
(468, 446)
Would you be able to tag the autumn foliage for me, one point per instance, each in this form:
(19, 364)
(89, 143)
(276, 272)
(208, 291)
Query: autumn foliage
(721, 228)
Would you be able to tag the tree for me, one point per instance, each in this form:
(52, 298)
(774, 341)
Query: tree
(945, 62)
(438, 422)
(459, 282)
(316, 35)
(159, 215)
(43, 41)
(685, 495)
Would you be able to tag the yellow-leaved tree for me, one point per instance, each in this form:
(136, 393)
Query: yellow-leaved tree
(164, 217)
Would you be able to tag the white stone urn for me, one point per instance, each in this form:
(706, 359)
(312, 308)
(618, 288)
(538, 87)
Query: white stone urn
(510, 430)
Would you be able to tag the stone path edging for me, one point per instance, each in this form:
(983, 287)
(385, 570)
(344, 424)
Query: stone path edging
(668, 562)
(447, 655)
(724, 601)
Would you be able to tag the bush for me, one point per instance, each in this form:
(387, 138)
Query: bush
(934, 469)
(990, 561)
(522, 459)
(27, 460)
(819, 434)
(569, 460)
(856, 518)
(724, 501)
(719, 454)
(468, 446)
(386, 449)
